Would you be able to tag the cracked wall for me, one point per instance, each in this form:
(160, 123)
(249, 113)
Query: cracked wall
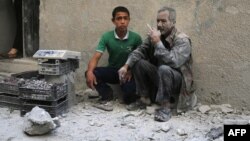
(219, 30)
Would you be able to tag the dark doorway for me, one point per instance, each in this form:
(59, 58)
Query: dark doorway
(18, 42)
(19, 28)
(7, 27)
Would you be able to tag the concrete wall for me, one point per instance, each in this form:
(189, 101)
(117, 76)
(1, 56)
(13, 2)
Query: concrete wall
(219, 30)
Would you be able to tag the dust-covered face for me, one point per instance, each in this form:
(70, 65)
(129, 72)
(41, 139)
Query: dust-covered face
(163, 22)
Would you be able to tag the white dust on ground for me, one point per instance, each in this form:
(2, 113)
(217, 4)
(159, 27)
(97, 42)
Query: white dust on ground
(83, 122)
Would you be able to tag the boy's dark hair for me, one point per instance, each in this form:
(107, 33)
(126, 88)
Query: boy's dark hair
(120, 9)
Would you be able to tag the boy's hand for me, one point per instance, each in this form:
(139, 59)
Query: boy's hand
(91, 80)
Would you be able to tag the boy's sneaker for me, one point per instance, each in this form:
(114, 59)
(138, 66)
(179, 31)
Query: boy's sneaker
(136, 106)
(91, 93)
(104, 105)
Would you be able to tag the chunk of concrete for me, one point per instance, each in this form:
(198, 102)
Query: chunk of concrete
(38, 122)
(204, 109)
(165, 128)
(181, 132)
(226, 108)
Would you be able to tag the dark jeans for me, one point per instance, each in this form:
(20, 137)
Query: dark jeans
(110, 75)
(160, 83)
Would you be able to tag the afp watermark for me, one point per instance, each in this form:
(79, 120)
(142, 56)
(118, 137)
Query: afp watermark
(236, 132)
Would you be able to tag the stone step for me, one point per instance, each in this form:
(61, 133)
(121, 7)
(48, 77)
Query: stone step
(11, 66)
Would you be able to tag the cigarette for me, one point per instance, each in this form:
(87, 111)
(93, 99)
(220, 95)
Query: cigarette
(149, 27)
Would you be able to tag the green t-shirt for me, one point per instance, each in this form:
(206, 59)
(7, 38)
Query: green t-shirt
(118, 49)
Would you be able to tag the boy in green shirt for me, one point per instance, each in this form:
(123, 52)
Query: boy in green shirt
(119, 43)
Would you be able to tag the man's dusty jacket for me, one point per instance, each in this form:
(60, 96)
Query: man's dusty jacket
(174, 51)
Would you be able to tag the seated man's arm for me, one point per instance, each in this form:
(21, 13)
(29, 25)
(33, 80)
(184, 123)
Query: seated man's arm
(178, 54)
(141, 52)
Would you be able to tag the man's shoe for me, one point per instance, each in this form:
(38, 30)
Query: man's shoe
(162, 114)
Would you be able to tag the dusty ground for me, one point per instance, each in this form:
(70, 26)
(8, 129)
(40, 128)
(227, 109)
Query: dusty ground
(83, 122)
